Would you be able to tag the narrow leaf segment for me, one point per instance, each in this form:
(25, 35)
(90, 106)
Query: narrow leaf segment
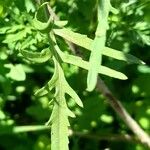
(98, 44)
(85, 42)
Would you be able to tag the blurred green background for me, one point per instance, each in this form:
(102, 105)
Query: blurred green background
(129, 32)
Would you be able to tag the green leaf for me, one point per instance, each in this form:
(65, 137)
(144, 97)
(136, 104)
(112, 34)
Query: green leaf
(39, 25)
(144, 122)
(59, 117)
(37, 57)
(18, 36)
(52, 83)
(85, 42)
(61, 23)
(95, 61)
(11, 29)
(75, 60)
(16, 72)
(70, 113)
(20, 129)
(144, 69)
(98, 43)
(121, 56)
(15, 28)
(83, 64)
(112, 73)
(76, 38)
(73, 94)
(4, 30)
(1, 10)
(49, 86)
(59, 127)
(28, 42)
(60, 113)
(29, 6)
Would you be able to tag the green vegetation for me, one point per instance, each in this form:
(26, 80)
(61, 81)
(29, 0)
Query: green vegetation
(53, 53)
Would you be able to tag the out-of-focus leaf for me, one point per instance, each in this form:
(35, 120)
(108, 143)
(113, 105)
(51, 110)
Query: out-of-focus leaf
(1, 10)
(144, 69)
(143, 82)
(4, 29)
(42, 143)
(2, 115)
(145, 122)
(19, 129)
(18, 36)
(28, 42)
(16, 72)
(29, 6)
(15, 28)
(38, 112)
(106, 118)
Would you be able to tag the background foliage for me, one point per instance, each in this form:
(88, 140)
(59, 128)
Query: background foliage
(19, 78)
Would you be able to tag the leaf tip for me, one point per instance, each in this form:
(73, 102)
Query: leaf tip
(81, 105)
(143, 63)
(89, 88)
(124, 77)
(79, 102)
(91, 80)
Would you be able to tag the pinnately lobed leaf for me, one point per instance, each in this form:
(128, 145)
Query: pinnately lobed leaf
(60, 113)
(59, 117)
(10, 38)
(53, 83)
(85, 42)
(75, 60)
(78, 61)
